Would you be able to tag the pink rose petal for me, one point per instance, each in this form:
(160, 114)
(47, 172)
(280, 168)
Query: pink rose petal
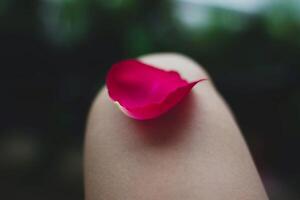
(143, 91)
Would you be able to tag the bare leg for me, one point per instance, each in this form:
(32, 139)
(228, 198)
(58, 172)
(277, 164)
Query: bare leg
(195, 151)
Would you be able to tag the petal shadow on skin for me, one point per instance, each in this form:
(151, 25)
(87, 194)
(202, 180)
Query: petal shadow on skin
(169, 128)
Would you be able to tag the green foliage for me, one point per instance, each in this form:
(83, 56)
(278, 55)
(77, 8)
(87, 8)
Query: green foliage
(116, 5)
(138, 41)
(65, 21)
(283, 20)
(4, 6)
(153, 25)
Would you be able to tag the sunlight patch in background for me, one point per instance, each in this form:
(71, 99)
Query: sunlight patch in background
(204, 19)
(245, 6)
(209, 24)
(211, 13)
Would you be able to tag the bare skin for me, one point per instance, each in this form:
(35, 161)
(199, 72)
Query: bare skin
(195, 151)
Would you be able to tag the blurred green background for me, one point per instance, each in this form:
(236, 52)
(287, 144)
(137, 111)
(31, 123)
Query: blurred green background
(55, 54)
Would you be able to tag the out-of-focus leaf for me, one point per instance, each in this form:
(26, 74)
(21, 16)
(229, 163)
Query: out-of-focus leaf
(116, 5)
(138, 41)
(283, 20)
(65, 22)
(4, 6)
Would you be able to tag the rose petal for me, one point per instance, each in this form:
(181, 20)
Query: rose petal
(143, 91)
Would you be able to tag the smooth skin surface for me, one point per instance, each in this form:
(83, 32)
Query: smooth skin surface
(195, 151)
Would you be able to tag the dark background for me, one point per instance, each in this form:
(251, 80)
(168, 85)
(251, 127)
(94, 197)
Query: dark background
(54, 55)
